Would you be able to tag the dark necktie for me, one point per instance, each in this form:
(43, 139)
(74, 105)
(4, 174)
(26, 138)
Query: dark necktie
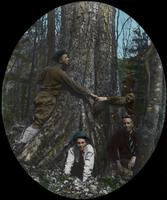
(131, 145)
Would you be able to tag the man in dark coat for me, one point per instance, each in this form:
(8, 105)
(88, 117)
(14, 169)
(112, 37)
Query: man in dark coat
(52, 80)
(123, 147)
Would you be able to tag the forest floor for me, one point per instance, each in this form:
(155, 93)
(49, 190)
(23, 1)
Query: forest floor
(72, 187)
(67, 186)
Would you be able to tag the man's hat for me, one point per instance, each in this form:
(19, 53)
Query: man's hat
(58, 54)
(80, 134)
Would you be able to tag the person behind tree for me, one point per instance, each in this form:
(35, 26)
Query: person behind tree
(80, 158)
(52, 80)
(123, 147)
(127, 99)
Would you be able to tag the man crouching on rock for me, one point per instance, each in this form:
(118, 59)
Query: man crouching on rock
(80, 158)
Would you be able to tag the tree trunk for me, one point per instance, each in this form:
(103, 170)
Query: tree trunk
(30, 78)
(51, 36)
(151, 129)
(87, 32)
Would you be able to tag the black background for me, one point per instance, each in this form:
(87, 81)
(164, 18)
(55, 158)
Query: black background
(16, 17)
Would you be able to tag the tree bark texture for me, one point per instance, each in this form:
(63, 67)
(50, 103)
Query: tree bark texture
(151, 127)
(87, 32)
(51, 36)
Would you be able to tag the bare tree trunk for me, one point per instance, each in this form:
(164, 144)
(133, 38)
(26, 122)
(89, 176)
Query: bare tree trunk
(89, 39)
(151, 129)
(30, 78)
(51, 35)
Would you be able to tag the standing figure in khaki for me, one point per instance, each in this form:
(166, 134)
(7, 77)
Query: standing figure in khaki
(127, 99)
(52, 80)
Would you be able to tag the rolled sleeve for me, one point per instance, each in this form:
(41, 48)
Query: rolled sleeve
(89, 163)
(69, 161)
(116, 100)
